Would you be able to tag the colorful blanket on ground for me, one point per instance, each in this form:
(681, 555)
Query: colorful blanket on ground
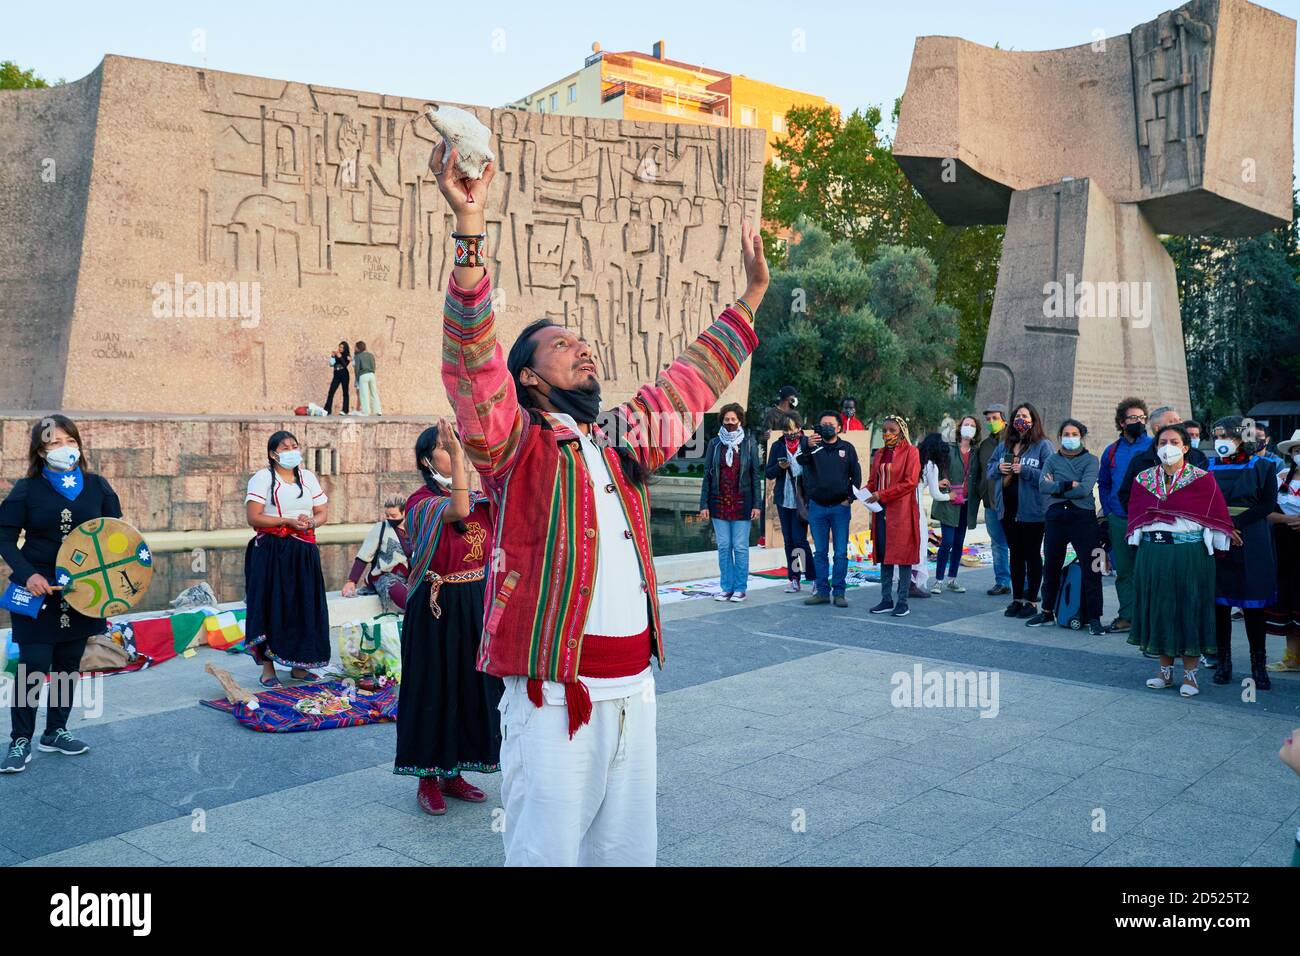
(279, 712)
(708, 588)
(860, 573)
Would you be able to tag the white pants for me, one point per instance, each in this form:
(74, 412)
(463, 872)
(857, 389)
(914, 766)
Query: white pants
(589, 801)
(368, 394)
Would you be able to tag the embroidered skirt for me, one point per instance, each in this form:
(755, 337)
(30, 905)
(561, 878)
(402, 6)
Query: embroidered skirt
(447, 719)
(288, 620)
(1173, 607)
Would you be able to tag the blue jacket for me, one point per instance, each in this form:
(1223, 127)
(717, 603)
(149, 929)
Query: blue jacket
(1114, 465)
(1032, 504)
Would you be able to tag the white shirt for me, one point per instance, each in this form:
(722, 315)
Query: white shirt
(285, 500)
(618, 603)
(931, 476)
(1214, 540)
(1288, 496)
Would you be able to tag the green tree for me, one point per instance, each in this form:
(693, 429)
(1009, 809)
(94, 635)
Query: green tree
(1240, 305)
(832, 326)
(841, 174)
(14, 77)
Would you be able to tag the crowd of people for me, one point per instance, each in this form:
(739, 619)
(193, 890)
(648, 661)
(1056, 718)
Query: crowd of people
(1149, 508)
(531, 617)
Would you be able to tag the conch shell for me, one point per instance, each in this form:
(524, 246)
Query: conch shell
(461, 129)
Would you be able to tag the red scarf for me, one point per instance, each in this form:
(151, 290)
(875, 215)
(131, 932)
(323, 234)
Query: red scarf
(1198, 500)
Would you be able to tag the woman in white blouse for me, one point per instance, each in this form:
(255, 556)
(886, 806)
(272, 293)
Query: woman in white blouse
(288, 620)
(1177, 518)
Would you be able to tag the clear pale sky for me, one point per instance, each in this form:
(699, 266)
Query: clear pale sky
(857, 54)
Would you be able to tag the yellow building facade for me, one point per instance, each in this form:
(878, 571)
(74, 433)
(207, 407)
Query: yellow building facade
(651, 87)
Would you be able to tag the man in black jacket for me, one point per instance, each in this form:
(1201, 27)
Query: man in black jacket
(1147, 459)
(831, 472)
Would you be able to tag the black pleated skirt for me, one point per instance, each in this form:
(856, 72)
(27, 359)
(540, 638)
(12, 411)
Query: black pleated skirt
(288, 619)
(447, 718)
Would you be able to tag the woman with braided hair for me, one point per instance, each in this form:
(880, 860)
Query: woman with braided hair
(447, 719)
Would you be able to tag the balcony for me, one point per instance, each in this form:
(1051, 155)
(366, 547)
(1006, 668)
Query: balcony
(712, 109)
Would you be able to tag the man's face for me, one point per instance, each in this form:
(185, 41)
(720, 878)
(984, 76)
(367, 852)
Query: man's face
(1195, 435)
(832, 422)
(850, 410)
(563, 359)
(992, 417)
(1170, 417)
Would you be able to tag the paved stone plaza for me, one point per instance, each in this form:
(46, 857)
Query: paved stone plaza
(778, 744)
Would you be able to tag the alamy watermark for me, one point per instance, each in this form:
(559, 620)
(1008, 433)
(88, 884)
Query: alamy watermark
(922, 688)
(1098, 300)
(208, 300)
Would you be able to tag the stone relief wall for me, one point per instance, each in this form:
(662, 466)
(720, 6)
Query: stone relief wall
(217, 195)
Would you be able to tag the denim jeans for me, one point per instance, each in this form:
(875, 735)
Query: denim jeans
(948, 560)
(794, 531)
(1001, 550)
(733, 554)
(826, 521)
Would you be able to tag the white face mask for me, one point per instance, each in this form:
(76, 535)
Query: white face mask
(1225, 447)
(968, 431)
(1071, 442)
(1170, 454)
(63, 458)
(442, 480)
(1295, 457)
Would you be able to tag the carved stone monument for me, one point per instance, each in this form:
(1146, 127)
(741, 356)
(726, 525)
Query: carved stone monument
(1183, 125)
(183, 240)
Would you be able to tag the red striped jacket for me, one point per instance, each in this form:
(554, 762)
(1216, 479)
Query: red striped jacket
(543, 565)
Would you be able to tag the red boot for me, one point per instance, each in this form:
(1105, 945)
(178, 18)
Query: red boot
(462, 789)
(429, 797)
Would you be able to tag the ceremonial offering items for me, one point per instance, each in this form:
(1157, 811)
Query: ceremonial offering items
(104, 567)
(462, 131)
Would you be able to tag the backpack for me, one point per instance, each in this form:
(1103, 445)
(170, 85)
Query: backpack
(1069, 599)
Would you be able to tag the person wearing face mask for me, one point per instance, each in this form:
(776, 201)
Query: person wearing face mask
(1246, 577)
(58, 493)
(1016, 474)
(995, 416)
(1069, 476)
(1282, 618)
(831, 471)
(1177, 521)
(381, 559)
(1262, 442)
(288, 619)
(448, 721)
(895, 529)
(784, 469)
(849, 412)
(1147, 458)
(1112, 490)
(731, 498)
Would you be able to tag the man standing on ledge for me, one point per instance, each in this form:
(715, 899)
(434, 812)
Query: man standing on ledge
(573, 616)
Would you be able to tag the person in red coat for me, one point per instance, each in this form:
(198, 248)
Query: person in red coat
(895, 471)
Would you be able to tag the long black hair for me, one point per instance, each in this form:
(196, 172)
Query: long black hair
(424, 447)
(521, 355)
(934, 448)
(271, 444)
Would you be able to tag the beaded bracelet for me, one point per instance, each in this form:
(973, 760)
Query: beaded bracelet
(469, 248)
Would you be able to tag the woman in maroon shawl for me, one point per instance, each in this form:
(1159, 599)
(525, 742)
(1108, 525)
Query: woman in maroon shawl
(1178, 519)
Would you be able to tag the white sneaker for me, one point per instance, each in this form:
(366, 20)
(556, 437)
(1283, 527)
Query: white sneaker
(1163, 680)
(738, 597)
(723, 597)
(792, 587)
(936, 587)
(1189, 688)
(954, 587)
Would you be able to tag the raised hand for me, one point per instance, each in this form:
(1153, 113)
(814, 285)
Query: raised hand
(756, 274)
(466, 197)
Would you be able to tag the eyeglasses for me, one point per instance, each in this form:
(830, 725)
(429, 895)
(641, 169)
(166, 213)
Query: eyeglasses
(1135, 418)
